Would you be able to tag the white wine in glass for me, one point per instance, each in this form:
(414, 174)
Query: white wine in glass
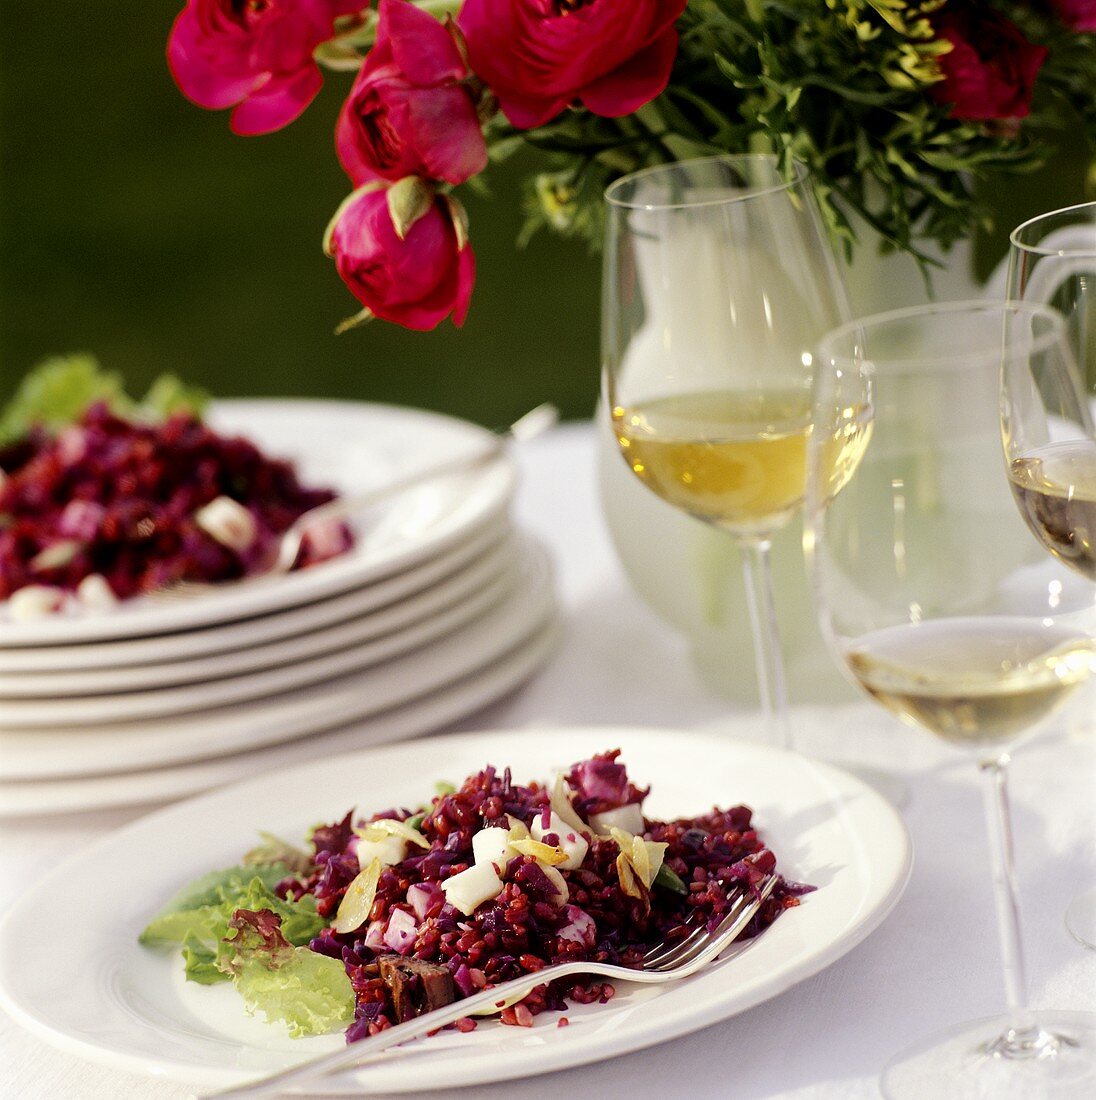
(938, 603)
(718, 282)
(1047, 423)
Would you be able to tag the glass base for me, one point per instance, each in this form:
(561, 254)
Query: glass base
(1081, 919)
(986, 1060)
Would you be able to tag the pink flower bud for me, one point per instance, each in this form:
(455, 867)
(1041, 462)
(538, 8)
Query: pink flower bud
(411, 111)
(415, 280)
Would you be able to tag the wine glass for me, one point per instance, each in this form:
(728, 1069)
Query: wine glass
(1052, 449)
(718, 281)
(940, 606)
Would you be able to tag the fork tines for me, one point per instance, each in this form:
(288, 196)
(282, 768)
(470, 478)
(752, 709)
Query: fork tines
(670, 956)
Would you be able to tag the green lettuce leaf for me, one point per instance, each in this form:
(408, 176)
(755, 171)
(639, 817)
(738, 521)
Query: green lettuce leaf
(59, 390)
(274, 850)
(201, 963)
(232, 927)
(201, 913)
(308, 992)
(216, 886)
(169, 395)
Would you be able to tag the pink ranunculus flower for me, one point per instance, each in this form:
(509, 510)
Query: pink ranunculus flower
(538, 56)
(411, 111)
(253, 55)
(991, 68)
(416, 280)
(1078, 15)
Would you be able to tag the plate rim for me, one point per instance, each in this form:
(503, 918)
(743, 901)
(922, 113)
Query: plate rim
(366, 599)
(583, 1047)
(123, 679)
(72, 713)
(305, 586)
(505, 674)
(521, 602)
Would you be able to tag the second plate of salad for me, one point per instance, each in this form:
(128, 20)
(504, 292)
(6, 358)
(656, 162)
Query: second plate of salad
(394, 934)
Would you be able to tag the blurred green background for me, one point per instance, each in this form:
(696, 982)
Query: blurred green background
(136, 226)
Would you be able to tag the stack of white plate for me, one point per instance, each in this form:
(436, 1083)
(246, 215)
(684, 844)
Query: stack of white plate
(439, 609)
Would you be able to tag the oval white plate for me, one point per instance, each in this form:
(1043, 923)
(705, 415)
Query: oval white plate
(42, 754)
(159, 786)
(349, 447)
(384, 623)
(316, 660)
(127, 1007)
(227, 638)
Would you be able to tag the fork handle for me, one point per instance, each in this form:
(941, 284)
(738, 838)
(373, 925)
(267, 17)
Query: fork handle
(342, 506)
(495, 998)
(401, 1033)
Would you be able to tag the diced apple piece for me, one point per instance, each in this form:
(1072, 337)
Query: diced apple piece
(489, 846)
(228, 522)
(34, 601)
(390, 850)
(469, 889)
(629, 818)
(570, 841)
(95, 593)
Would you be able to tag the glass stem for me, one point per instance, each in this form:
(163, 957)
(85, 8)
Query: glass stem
(1022, 1028)
(773, 691)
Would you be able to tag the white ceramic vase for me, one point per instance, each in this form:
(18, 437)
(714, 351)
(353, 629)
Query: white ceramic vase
(691, 574)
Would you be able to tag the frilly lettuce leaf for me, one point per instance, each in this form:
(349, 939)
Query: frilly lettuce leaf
(216, 886)
(200, 916)
(232, 927)
(253, 935)
(201, 963)
(169, 395)
(274, 850)
(308, 992)
(59, 391)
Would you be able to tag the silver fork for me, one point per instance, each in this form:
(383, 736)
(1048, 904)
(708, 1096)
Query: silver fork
(666, 962)
(532, 424)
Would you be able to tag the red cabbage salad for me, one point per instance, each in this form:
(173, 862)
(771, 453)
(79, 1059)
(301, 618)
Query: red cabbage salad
(388, 916)
(103, 498)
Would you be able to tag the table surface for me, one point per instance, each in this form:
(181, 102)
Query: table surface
(934, 961)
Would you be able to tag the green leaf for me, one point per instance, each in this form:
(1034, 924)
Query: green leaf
(308, 992)
(169, 395)
(57, 392)
(275, 852)
(202, 912)
(669, 880)
(211, 888)
(200, 963)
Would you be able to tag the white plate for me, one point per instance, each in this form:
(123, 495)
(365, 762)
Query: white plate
(127, 1006)
(349, 447)
(225, 638)
(318, 659)
(50, 753)
(468, 584)
(162, 785)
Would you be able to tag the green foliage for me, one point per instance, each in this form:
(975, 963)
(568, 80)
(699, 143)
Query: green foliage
(199, 916)
(842, 86)
(59, 390)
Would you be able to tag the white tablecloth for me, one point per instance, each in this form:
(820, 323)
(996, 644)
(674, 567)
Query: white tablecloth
(934, 961)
